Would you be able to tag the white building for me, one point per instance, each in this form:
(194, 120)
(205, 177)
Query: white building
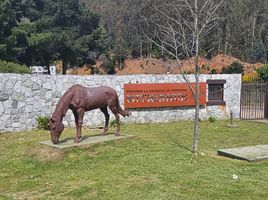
(39, 70)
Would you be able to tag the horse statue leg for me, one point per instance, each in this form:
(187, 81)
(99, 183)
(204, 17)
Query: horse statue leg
(78, 115)
(107, 117)
(76, 119)
(115, 112)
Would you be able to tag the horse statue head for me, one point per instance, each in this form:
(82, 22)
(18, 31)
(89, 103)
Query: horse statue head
(56, 128)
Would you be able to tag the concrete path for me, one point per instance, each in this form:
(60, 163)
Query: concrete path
(69, 142)
(251, 153)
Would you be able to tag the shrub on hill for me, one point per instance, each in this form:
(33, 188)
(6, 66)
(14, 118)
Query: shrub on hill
(263, 72)
(234, 68)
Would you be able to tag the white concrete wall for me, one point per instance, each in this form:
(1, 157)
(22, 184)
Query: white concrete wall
(25, 97)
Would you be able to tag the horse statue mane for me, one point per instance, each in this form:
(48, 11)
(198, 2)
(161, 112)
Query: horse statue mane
(81, 99)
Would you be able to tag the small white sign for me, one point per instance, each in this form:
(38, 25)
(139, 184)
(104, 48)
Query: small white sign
(52, 70)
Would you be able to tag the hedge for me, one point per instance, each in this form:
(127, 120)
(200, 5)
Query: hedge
(9, 67)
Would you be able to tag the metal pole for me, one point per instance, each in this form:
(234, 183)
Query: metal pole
(231, 117)
(266, 101)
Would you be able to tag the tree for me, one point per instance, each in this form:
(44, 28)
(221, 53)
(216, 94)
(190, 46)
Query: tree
(72, 27)
(26, 29)
(185, 24)
(38, 32)
(259, 53)
(10, 16)
(120, 50)
(125, 17)
(241, 24)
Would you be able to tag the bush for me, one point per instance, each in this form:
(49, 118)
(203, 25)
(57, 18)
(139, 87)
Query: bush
(113, 123)
(263, 72)
(43, 122)
(110, 67)
(253, 77)
(234, 68)
(9, 67)
(213, 71)
(94, 70)
(212, 119)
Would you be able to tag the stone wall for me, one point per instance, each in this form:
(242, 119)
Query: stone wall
(25, 97)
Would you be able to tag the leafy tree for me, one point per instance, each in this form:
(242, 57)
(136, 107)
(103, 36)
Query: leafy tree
(241, 24)
(39, 31)
(10, 15)
(259, 53)
(44, 31)
(120, 50)
(109, 66)
(100, 42)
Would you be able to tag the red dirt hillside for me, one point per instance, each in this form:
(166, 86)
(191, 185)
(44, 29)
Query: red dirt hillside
(159, 66)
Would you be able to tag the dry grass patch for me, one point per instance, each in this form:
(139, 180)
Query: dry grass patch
(47, 154)
(143, 180)
(29, 195)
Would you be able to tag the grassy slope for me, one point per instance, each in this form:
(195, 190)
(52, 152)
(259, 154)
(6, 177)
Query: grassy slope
(156, 164)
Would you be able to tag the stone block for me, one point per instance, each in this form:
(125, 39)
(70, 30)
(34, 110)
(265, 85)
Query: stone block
(16, 125)
(4, 96)
(2, 108)
(47, 86)
(87, 140)
(250, 153)
(4, 117)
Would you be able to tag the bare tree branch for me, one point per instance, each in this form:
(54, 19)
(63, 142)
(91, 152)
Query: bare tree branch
(185, 23)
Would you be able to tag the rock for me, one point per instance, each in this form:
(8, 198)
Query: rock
(15, 104)
(2, 108)
(36, 87)
(4, 96)
(47, 86)
(235, 177)
(4, 117)
(56, 94)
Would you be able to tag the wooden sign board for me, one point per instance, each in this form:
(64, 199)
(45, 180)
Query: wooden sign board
(161, 95)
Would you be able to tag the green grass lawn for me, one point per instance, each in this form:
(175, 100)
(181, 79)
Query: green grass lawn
(156, 164)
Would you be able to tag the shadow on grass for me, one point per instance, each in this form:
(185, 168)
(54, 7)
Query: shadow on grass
(184, 147)
(181, 146)
(84, 137)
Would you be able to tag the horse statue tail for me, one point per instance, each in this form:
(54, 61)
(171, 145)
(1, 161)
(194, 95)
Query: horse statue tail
(121, 111)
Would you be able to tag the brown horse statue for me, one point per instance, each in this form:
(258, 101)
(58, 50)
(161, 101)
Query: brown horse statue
(81, 99)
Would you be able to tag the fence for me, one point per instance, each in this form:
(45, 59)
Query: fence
(254, 101)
